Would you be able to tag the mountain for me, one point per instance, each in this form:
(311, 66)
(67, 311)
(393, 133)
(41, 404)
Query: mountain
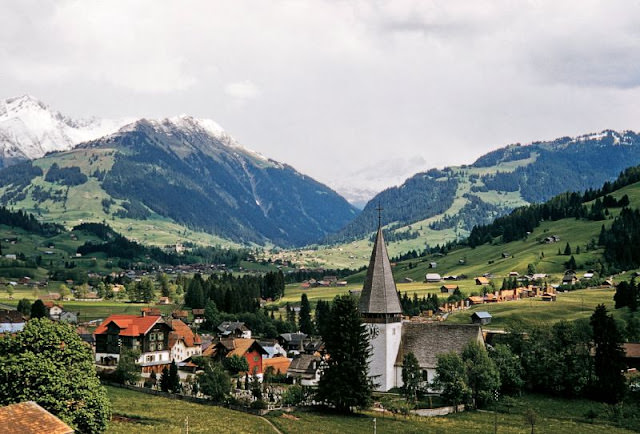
(181, 171)
(446, 204)
(29, 129)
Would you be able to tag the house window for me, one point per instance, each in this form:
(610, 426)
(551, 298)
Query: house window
(160, 346)
(256, 358)
(151, 358)
(152, 337)
(160, 336)
(152, 347)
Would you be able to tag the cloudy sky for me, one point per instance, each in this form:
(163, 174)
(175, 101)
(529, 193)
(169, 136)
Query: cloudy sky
(358, 94)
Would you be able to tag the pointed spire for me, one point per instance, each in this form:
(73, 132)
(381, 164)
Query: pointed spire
(379, 294)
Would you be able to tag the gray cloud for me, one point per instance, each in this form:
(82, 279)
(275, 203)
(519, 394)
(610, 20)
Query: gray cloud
(335, 87)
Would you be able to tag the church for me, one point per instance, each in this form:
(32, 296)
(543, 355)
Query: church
(391, 337)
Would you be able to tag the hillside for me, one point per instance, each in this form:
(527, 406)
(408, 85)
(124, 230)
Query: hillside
(442, 205)
(176, 179)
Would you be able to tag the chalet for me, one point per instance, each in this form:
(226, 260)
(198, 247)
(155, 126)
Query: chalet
(482, 281)
(278, 365)
(153, 311)
(448, 289)
(70, 317)
(234, 329)
(475, 299)
(552, 239)
(549, 296)
(433, 264)
(481, 318)
(513, 274)
(607, 283)
(54, 310)
(198, 316)
(588, 275)
(164, 300)
(183, 342)
(148, 334)
(306, 369)
(341, 283)
(273, 349)
(11, 321)
(292, 341)
(632, 354)
(505, 255)
(53, 296)
(29, 418)
(250, 349)
(182, 315)
(432, 277)
(407, 280)
(427, 340)
(539, 276)
(569, 279)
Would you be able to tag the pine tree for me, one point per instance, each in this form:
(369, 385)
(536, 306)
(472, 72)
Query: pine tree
(306, 326)
(345, 383)
(39, 310)
(174, 378)
(609, 356)
(411, 377)
(164, 380)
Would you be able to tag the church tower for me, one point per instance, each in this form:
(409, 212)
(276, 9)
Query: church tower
(382, 314)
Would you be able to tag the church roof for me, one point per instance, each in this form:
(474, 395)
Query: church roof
(379, 294)
(427, 340)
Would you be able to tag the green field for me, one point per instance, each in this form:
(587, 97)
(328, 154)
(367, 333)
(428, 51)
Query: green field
(136, 412)
(140, 413)
(569, 306)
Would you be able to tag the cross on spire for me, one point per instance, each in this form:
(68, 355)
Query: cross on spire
(379, 209)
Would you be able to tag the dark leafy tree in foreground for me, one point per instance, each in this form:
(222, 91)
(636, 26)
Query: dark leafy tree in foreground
(345, 384)
(214, 381)
(48, 363)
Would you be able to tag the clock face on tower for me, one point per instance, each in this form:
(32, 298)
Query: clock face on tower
(373, 331)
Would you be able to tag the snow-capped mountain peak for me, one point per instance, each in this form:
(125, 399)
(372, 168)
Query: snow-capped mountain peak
(29, 129)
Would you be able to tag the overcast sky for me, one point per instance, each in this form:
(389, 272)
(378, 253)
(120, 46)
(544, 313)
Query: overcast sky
(358, 94)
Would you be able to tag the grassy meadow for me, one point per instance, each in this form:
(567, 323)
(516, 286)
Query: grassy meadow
(141, 413)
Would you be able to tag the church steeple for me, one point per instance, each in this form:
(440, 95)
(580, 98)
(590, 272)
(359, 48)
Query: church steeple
(379, 298)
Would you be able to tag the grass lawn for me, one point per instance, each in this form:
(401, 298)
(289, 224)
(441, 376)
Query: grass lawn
(136, 412)
(554, 416)
(141, 413)
(569, 306)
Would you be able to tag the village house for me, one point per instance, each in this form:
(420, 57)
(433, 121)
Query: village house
(448, 289)
(250, 349)
(273, 349)
(481, 317)
(306, 369)
(53, 309)
(432, 277)
(482, 280)
(277, 365)
(198, 316)
(183, 342)
(28, 417)
(233, 329)
(11, 321)
(148, 334)
(70, 317)
(292, 342)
